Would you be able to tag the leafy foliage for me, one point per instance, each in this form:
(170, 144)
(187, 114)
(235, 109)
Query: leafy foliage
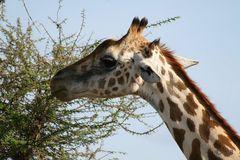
(33, 124)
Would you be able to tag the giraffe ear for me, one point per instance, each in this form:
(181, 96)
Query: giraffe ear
(149, 75)
(185, 62)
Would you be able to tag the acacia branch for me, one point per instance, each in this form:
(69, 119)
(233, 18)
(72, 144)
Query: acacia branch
(29, 16)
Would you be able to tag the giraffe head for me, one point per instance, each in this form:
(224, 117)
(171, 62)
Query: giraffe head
(115, 68)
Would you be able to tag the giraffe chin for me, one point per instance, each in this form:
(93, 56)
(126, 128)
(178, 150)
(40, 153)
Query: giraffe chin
(62, 95)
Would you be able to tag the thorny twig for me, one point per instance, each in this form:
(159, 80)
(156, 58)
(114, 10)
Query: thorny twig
(29, 16)
(141, 133)
(160, 23)
(46, 31)
(80, 31)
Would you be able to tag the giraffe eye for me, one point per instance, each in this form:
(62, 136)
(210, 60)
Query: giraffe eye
(108, 62)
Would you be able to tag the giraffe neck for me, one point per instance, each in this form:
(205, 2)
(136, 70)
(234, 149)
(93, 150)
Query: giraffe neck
(197, 132)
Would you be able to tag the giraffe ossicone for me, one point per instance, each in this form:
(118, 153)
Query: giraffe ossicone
(133, 65)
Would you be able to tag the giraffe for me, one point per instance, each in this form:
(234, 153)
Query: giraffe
(134, 66)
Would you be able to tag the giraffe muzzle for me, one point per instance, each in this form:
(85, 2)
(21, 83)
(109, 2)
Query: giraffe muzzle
(58, 90)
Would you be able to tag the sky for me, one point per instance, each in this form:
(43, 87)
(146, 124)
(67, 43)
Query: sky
(208, 31)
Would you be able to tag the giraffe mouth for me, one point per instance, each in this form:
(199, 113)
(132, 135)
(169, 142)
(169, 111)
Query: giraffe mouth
(63, 94)
(79, 92)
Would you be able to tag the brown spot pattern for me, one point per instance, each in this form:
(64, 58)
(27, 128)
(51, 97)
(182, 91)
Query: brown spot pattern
(226, 141)
(133, 80)
(121, 66)
(175, 112)
(101, 83)
(204, 131)
(163, 71)
(120, 80)
(212, 156)
(179, 135)
(136, 75)
(115, 88)
(205, 116)
(206, 119)
(190, 106)
(118, 73)
(223, 144)
(161, 106)
(212, 124)
(191, 125)
(204, 128)
(160, 86)
(180, 85)
(171, 84)
(196, 152)
(107, 92)
(127, 76)
(171, 76)
(189, 109)
(171, 90)
(162, 59)
(111, 82)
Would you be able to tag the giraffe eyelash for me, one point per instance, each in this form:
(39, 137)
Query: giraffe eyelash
(108, 61)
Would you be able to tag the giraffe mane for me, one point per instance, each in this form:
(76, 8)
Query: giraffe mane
(203, 99)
